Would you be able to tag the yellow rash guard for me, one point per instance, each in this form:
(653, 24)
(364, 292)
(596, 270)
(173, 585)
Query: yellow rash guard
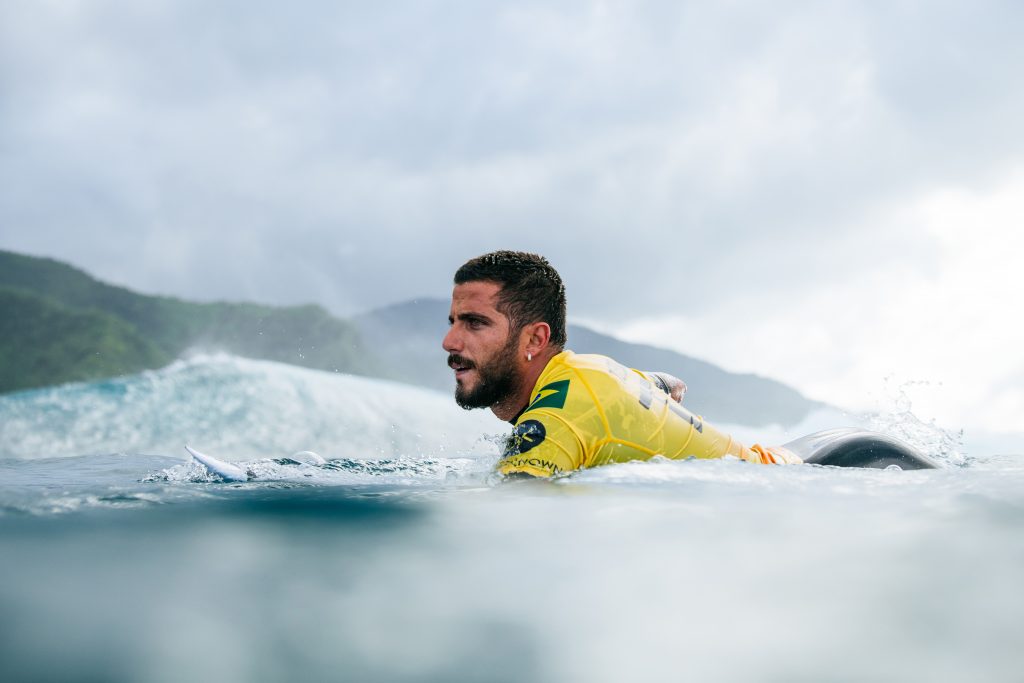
(588, 410)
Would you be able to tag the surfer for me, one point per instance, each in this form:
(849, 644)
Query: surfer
(506, 345)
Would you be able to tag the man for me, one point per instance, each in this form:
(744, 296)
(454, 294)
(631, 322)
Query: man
(507, 347)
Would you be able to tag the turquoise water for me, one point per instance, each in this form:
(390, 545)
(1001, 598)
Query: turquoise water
(403, 561)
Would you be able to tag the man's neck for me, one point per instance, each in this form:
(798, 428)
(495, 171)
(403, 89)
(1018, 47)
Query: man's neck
(511, 407)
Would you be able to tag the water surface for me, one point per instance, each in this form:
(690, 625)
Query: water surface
(403, 561)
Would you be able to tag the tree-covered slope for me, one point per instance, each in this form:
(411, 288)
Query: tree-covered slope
(162, 328)
(43, 342)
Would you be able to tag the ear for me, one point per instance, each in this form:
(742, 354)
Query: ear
(537, 336)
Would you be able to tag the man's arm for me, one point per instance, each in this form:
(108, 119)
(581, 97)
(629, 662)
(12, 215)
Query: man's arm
(671, 385)
(541, 446)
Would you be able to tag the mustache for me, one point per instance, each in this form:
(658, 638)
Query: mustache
(455, 360)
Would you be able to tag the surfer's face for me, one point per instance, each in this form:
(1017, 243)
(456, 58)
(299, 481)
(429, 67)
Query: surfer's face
(481, 350)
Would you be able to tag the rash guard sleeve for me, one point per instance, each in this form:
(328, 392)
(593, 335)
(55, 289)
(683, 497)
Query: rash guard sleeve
(542, 445)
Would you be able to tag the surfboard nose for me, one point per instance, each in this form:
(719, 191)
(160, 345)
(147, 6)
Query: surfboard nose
(225, 470)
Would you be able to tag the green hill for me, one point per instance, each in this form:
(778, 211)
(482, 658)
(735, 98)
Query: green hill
(60, 325)
(43, 342)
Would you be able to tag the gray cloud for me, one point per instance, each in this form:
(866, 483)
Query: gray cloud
(661, 154)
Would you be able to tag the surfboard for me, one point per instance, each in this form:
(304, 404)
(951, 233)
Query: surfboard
(225, 470)
(847, 447)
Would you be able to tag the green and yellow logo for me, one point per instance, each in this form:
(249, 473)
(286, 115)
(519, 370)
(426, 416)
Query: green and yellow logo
(550, 396)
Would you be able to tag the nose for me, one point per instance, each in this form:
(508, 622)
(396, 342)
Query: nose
(451, 342)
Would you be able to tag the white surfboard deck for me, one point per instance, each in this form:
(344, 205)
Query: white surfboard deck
(226, 470)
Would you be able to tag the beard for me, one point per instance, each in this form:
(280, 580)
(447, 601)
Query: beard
(498, 379)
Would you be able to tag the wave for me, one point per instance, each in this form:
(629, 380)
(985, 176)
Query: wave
(242, 409)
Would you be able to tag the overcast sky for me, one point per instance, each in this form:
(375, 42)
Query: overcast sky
(828, 193)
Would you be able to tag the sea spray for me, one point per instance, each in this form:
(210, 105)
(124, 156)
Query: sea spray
(895, 416)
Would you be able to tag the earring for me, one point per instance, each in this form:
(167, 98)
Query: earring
(529, 357)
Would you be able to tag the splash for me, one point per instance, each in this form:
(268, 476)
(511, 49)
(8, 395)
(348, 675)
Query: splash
(404, 471)
(897, 418)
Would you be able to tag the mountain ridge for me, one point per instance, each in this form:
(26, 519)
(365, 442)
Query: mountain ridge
(60, 324)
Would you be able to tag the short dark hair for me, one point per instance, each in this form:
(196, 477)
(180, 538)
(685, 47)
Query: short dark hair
(531, 289)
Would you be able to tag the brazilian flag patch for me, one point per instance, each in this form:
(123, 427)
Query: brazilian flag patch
(550, 396)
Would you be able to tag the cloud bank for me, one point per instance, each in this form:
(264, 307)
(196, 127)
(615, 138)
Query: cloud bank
(819, 192)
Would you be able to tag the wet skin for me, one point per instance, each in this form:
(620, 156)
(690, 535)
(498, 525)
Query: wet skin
(478, 331)
(478, 340)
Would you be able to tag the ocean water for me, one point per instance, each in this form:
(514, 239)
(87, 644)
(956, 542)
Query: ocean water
(403, 559)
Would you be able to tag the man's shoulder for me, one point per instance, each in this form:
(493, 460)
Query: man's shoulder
(569, 363)
(571, 384)
(596, 369)
(559, 430)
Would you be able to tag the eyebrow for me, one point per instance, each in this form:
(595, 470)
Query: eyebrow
(470, 317)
